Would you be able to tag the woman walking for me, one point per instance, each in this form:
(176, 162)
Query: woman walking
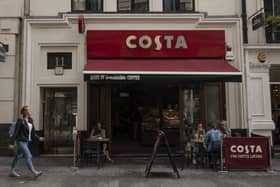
(23, 134)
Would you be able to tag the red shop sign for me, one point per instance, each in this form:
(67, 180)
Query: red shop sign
(155, 44)
(246, 153)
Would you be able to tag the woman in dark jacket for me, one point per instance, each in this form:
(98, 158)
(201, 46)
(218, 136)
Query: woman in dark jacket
(24, 133)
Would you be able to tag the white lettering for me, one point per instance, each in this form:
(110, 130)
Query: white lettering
(258, 149)
(158, 43)
(233, 148)
(128, 41)
(246, 149)
(181, 43)
(240, 149)
(145, 42)
(168, 40)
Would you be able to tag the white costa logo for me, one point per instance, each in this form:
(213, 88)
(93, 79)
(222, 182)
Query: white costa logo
(246, 149)
(145, 42)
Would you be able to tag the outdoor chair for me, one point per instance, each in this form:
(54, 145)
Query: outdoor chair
(89, 153)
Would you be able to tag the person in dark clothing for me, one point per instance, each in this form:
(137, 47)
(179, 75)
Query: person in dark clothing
(23, 134)
(99, 132)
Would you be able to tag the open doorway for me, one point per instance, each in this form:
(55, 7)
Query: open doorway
(131, 112)
(138, 111)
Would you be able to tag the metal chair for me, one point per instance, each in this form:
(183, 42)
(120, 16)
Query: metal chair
(91, 151)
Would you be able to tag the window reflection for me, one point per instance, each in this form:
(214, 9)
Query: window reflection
(133, 5)
(87, 5)
(178, 5)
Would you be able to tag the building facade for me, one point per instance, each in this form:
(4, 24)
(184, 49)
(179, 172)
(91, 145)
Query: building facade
(261, 54)
(10, 36)
(11, 14)
(139, 65)
(62, 50)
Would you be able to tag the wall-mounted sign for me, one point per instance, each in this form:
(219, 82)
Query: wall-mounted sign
(258, 21)
(114, 77)
(155, 44)
(59, 59)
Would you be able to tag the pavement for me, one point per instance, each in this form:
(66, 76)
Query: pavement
(59, 172)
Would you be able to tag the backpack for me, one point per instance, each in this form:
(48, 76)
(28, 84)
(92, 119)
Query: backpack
(12, 129)
(216, 140)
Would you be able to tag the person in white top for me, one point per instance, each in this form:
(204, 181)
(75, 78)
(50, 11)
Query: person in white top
(23, 134)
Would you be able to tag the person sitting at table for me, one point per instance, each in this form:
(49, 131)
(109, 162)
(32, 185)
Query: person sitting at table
(199, 132)
(197, 141)
(99, 132)
(213, 142)
(224, 129)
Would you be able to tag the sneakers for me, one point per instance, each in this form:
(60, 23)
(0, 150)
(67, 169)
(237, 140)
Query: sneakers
(37, 173)
(13, 173)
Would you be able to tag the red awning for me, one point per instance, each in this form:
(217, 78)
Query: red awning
(180, 67)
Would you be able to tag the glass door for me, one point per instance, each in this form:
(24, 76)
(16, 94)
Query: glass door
(59, 109)
(214, 102)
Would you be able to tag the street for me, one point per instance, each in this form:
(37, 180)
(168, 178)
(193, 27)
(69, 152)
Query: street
(58, 172)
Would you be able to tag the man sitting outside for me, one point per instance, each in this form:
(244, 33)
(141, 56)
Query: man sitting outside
(213, 142)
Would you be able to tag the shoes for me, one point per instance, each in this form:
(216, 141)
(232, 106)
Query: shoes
(110, 160)
(37, 173)
(13, 173)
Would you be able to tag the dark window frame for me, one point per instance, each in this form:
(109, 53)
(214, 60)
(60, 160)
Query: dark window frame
(272, 33)
(89, 11)
(178, 11)
(133, 11)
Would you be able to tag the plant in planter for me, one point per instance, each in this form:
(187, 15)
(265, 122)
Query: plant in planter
(272, 29)
(273, 21)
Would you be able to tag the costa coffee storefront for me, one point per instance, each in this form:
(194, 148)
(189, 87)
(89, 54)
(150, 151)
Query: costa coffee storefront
(141, 81)
(134, 74)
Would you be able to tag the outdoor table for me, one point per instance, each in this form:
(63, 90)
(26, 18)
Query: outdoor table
(98, 142)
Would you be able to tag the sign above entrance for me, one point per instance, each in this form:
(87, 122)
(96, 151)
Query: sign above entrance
(155, 44)
(114, 77)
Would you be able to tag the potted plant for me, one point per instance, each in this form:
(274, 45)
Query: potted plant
(273, 29)
(273, 21)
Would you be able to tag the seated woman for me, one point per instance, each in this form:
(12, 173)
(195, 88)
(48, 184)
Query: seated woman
(99, 132)
(197, 142)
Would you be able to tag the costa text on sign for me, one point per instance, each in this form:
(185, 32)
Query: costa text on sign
(146, 42)
(246, 149)
(139, 44)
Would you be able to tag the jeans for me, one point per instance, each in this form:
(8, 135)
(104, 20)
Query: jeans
(23, 151)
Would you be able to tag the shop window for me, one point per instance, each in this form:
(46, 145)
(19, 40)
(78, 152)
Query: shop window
(87, 5)
(59, 60)
(178, 5)
(133, 5)
(272, 32)
(275, 73)
(214, 103)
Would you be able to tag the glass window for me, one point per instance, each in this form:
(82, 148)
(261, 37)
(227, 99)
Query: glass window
(59, 118)
(133, 5)
(178, 5)
(87, 5)
(212, 101)
(272, 8)
(275, 73)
